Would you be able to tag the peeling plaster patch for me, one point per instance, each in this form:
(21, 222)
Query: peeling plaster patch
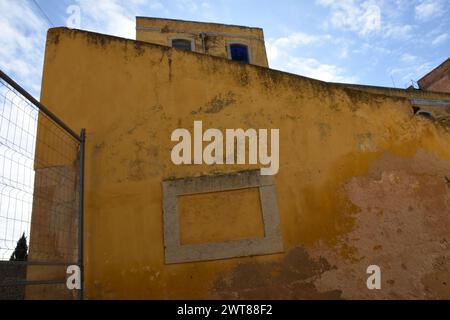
(422, 163)
(403, 227)
(242, 76)
(325, 131)
(218, 103)
(291, 278)
(137, 166)
(437, 283)
(335, 107)
(365, 142)
(290, 117)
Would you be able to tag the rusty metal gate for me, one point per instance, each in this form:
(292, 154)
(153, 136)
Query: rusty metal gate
(41, 199)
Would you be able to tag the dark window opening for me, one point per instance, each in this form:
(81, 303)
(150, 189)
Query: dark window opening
(182, 44)
(425, 114)
(239, 52)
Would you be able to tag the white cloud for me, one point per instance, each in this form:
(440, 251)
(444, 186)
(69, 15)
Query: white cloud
(297, 39)
(108, 16)
(116, 17)
(362, 17)
(428, 9)
(282, 56)
(292, 41)
(312, 68)
(22, 41)
(187, 5)
(371, 48)
(192, 5)
(402, 32)
(440, 39)
(201, 9)
(365, 17)
(407, 58)
(156, 5)
(343, 53)
(23, 32)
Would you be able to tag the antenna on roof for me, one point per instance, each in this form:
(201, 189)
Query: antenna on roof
(414, 84)
(393, 82)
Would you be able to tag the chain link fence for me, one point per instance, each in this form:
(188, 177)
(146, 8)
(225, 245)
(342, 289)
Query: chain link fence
(41, 176)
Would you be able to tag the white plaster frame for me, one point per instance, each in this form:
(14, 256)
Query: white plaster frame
(271, 243)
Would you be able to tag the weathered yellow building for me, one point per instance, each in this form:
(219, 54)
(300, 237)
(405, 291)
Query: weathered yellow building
(362, 180)
(209, 38)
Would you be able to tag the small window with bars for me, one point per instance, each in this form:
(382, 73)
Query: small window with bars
(183, 44)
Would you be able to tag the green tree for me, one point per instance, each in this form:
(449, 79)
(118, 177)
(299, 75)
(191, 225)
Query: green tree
(21, 251)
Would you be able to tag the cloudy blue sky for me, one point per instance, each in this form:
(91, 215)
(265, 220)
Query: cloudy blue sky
(376, 42)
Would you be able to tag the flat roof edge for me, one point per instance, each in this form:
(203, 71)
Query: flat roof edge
(199, 22)
(348, 86)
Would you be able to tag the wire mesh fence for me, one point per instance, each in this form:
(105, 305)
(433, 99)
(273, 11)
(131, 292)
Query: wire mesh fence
(39, 198)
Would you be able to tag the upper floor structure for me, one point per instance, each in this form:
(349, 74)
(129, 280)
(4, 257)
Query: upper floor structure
(243, 44)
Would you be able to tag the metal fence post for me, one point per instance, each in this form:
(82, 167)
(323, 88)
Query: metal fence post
(38, 153)
(81, 217)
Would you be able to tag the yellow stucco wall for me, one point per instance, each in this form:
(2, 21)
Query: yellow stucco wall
(362, 181)
(218, 36)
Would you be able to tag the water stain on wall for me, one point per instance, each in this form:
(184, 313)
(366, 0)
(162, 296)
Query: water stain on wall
(291, 278)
